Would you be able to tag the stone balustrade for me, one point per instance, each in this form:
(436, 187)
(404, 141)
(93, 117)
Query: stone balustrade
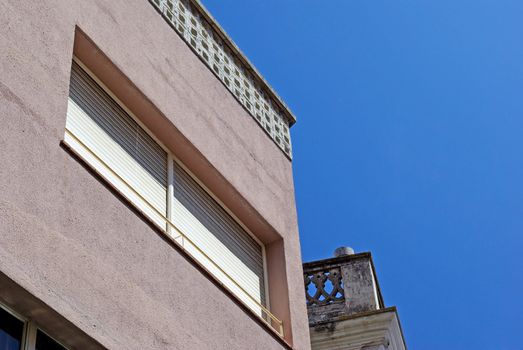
(341, 286)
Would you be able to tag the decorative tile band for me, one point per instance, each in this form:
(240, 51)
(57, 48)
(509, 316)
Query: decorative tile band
(248, 88)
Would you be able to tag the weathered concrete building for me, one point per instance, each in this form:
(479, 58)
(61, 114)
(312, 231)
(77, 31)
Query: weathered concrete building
(146, 187)
(345, 305)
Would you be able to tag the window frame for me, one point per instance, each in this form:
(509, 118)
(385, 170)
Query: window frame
(31, 329)
(19, 317)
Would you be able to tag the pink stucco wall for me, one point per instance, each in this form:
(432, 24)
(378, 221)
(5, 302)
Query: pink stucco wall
(73, 244)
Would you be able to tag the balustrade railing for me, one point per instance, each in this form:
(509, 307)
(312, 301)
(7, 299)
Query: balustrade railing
(341, 286)
(194, 24)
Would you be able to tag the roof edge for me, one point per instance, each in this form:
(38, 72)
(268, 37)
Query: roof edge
(243, 59)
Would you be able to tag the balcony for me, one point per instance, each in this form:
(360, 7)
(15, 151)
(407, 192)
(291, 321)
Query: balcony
(219, 53)
(341, 286)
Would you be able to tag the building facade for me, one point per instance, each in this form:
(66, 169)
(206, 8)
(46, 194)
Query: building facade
(146, 192)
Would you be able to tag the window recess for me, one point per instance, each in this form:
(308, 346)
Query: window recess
(102, 132)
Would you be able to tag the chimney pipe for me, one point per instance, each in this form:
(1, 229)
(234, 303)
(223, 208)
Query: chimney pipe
(343, 251)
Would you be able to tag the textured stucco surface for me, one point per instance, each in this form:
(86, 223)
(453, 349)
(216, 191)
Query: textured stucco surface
(71, 242)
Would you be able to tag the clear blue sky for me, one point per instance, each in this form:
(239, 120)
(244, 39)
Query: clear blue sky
(409, 144)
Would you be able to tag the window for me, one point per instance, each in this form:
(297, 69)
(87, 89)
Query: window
(44, 342)
(101, 131)
(211, 229)
(17, 333)
(11, 331)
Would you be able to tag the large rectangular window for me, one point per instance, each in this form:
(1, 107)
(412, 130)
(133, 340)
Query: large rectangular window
(101, 131)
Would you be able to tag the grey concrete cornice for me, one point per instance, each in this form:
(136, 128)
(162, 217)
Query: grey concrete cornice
(376, 330)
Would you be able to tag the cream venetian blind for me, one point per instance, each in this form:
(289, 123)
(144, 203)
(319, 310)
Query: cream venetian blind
(222, 239)
(99, 123)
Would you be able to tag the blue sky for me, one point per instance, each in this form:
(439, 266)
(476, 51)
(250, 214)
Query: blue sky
(409, 144)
